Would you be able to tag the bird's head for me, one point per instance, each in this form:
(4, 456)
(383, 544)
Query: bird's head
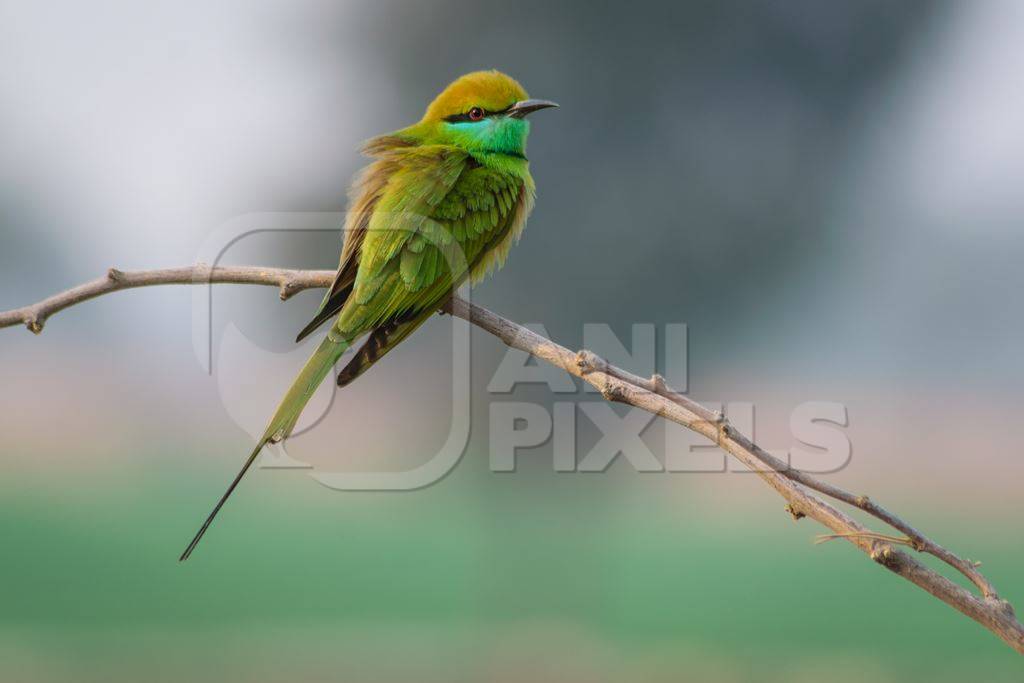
(483, 112)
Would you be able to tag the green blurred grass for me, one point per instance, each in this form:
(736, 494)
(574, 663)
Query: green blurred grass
(479, 577)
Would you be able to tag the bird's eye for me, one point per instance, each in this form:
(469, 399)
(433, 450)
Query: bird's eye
(476, 114)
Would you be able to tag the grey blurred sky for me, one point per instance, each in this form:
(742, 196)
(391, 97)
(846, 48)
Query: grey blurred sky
(821, 190)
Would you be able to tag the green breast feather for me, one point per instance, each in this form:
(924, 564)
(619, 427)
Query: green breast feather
(441, 219)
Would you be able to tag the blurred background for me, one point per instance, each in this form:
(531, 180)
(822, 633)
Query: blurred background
(827, 194)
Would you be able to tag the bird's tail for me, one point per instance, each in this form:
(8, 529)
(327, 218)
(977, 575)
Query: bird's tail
(285, 417)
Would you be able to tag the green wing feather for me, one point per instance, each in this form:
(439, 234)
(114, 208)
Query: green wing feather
(364, 197)
(434, 225)
(464, 234)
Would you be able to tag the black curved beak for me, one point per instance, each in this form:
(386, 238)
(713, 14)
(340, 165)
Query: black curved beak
(520, 109)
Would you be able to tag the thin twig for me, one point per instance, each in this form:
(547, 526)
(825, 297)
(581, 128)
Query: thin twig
(653, 395)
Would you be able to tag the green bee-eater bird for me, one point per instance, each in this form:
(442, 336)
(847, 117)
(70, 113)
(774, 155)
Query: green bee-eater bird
(444, 200)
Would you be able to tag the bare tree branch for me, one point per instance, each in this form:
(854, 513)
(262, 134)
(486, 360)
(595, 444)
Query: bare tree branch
(652, 395)
(288, 282)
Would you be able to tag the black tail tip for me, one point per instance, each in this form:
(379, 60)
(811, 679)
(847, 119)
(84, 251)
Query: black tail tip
(195, 541)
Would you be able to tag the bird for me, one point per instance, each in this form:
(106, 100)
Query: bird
(441, 202)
